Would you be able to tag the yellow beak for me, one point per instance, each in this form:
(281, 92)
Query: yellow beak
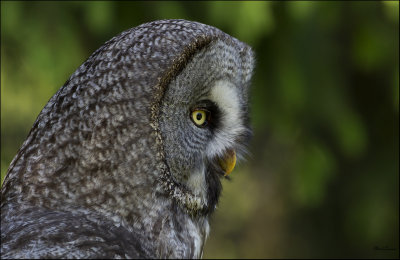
(228, 161)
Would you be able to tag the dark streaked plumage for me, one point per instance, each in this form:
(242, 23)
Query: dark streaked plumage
(114, 166)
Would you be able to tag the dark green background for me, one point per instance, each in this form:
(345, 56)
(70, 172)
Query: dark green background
(322, 179)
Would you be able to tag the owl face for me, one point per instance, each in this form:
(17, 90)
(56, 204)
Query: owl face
(204, 120)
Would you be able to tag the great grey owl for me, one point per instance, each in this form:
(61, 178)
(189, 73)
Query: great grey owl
(126, 159)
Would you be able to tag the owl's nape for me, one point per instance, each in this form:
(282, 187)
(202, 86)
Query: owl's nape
(126, 159)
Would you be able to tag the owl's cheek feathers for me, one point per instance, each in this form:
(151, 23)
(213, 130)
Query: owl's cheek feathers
(227, 97)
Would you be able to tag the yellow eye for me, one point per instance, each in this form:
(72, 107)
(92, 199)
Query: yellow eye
(199, 117)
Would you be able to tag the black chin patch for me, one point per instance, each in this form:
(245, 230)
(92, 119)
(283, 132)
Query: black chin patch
(214, 187)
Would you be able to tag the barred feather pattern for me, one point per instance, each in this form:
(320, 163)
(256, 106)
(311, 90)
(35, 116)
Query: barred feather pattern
(92, 179)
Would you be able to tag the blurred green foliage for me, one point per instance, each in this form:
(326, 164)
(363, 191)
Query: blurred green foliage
(323, 178)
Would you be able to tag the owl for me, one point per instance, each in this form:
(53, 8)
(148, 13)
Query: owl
(126, 159)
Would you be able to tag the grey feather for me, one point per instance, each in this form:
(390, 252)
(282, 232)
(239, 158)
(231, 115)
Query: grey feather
(113, 167)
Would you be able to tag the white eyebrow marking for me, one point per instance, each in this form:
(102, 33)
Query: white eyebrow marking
(226, 96)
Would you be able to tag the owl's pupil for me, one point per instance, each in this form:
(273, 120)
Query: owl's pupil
(199, 116)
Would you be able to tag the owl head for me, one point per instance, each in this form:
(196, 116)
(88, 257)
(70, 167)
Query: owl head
(203, 118)
(155, 117)
(132, 147)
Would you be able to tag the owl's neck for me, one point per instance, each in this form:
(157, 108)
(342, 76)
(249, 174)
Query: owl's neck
(171, 231)
(144, 209)
(174, 232)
